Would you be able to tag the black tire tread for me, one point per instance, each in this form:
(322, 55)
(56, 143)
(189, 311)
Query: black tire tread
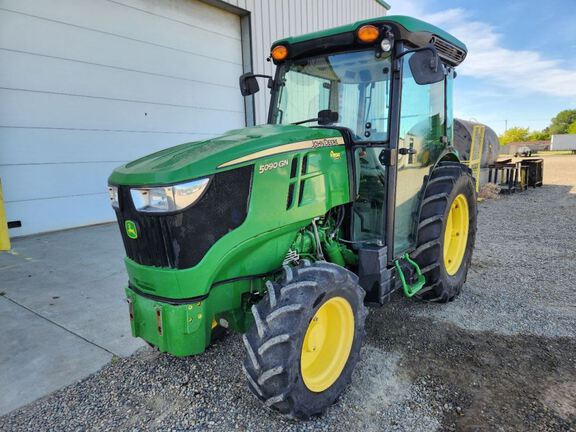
(273, 347)
(430, 228)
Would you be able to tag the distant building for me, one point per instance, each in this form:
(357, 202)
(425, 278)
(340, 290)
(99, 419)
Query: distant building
(535, 146)
(563, 142)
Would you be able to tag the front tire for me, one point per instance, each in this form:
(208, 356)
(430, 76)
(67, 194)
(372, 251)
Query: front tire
(306, 339)
(446, 231)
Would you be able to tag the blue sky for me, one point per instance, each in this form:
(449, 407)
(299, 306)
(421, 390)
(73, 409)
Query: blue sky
(521, 64)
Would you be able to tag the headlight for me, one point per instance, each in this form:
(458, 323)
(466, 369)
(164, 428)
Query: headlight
(168, 198)
(113, 194)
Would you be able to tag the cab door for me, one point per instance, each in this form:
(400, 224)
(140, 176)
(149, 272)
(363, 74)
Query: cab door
(421, 138)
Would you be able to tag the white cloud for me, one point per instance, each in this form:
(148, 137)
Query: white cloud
(522, 70)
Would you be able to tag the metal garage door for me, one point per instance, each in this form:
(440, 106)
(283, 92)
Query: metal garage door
(86, 85)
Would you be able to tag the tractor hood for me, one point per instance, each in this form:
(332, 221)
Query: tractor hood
(201, 158)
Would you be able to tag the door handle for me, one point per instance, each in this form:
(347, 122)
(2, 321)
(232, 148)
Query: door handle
(407, 151)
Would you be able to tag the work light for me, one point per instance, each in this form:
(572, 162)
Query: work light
(168, 198)
(386, 44)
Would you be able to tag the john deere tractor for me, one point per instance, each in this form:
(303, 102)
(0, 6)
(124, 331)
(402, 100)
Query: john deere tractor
(284, 231)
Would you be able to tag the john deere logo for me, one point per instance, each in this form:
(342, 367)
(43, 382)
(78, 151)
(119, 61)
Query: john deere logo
(131, 230)
(335, 155)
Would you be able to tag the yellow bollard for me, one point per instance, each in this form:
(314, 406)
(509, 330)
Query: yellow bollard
(4, 237)
(475, 159)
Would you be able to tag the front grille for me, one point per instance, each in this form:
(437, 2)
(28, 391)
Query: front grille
(448, 51)
(180, 240)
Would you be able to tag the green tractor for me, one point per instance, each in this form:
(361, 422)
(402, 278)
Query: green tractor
(284, 231)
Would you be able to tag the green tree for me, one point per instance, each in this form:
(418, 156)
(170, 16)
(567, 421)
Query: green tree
(542, 135)
(562, 121)
(515, 134)
(572, 128)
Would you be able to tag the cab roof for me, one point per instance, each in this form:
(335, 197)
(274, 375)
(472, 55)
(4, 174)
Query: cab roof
(418, 32)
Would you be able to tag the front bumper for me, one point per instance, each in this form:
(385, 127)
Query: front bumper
(180, 329)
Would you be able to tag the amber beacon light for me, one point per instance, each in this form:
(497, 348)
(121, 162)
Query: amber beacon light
(368, 33)
(279, 53)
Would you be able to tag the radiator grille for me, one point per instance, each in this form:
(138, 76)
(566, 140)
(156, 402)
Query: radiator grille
(180, 240)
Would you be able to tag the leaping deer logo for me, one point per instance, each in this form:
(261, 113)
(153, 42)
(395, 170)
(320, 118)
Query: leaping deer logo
(131, 230)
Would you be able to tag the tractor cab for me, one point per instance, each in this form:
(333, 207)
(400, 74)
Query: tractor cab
(386, 85)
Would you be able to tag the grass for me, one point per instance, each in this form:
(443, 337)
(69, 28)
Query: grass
(556, 153)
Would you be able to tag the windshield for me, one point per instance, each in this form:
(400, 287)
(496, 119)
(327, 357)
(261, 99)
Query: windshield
(355, 85)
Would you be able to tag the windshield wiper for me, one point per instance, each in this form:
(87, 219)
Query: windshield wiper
(306, 121)
(325, 117)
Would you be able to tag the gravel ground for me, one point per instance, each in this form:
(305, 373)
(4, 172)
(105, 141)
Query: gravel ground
(500, 357)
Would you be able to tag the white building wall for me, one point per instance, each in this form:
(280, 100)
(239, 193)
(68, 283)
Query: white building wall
(86, 85)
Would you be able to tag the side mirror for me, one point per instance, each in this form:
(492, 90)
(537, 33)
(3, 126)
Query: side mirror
(248, 84)
(326, 117)
(426, 67)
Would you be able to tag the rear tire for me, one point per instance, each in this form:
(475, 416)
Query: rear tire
(278, 343)
(450, 184)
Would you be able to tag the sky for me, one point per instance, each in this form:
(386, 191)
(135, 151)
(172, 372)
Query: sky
(521, 63)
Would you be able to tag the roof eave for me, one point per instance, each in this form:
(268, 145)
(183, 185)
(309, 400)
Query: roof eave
(383, 4)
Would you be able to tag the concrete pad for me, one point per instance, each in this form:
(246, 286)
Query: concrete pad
(38, 357)
(74, 278)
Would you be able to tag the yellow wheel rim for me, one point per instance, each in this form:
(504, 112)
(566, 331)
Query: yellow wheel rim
(327, 344)
(456, 234)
